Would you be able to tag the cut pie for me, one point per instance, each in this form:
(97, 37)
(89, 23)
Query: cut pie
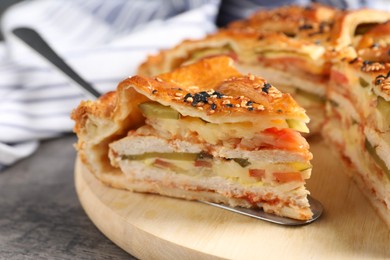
(201, 132)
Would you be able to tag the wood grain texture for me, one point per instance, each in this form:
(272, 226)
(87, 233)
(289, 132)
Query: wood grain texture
(156, 227)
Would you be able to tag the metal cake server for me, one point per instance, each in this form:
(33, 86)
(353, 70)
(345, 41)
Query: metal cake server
(37, 43)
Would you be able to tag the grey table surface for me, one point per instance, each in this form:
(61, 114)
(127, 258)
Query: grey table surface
(40, 215)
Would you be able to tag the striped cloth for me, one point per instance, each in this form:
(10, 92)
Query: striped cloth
(104, 41)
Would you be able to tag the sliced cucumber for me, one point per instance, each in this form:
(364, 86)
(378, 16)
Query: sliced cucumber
(156, 110)
(309, 96)
(201, 53)
(301, 166)
(297, 125)
(363, 82)
(372, 151)
(384, 109)
(242, 162)
(170, 156)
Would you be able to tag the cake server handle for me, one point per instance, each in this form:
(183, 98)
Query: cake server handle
(37, 43)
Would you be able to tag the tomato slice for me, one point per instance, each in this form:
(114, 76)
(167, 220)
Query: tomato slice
(286, 139)
(163, 164)
(339, 78)
(257, 173)
(200, 163)
(287, 176)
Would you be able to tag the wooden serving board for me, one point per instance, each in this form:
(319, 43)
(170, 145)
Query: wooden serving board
(156, 227)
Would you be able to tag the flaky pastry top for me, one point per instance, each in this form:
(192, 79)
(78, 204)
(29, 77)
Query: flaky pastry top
(215, 91)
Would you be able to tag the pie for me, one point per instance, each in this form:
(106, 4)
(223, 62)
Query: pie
(201, 132)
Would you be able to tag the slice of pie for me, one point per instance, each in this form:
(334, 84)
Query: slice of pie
(202, 132)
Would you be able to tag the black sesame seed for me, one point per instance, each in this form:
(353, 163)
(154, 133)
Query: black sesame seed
(289, 34)
(154, 91)
(229, 105)
(249, 103)
(213, 106)
(218, 94)
(306, 27)
(353, 61)
(374, 45)
(250, 108)
(379, 79)
(279, 111)
(200, 97)
(266, 87)
(189, 95)
(367, 62)
(388, 75)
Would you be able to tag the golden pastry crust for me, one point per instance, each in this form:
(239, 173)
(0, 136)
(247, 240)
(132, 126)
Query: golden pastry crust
(376, 37)
(225, 96)
(312, 23)
(230, 42)
(346, 25)
(244, 46)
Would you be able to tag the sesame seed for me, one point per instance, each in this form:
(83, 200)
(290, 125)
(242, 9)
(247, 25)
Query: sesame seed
(249, 103)
(250, 108)
(177, 98)
(211, 111)
(189, 99)
(225, 102)
(154, 91)
(237, 105)
(200, 108)
(260, 107)
(243, 103)
(251, 77)
(158, 79)
(178, 94)
(213, 106)
(229, 105)
(266, 87)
